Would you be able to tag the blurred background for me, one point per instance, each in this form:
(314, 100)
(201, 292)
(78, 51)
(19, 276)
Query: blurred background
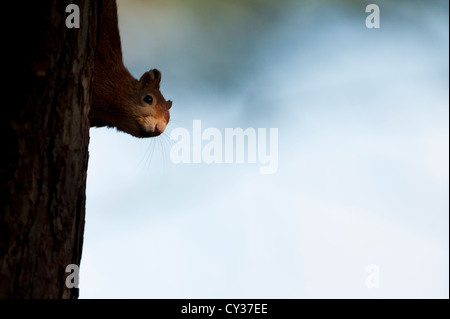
(363, 163)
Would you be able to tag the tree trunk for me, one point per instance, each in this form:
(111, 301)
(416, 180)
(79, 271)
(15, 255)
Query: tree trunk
(45, 136)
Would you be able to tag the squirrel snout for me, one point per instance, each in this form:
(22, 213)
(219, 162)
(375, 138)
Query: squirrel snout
(160, 127)
(153, 130)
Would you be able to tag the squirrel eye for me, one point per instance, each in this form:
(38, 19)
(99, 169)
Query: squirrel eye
(148, 99)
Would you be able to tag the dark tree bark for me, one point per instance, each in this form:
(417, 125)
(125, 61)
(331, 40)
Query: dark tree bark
(45, 135)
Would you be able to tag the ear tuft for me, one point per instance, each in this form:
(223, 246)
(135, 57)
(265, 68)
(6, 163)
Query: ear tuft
(151, 78)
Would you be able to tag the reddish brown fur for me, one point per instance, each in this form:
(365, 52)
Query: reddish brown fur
(118, 98)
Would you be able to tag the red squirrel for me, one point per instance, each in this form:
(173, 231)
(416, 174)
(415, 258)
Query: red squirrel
(119, 100)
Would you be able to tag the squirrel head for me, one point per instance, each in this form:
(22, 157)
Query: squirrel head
(146, 110)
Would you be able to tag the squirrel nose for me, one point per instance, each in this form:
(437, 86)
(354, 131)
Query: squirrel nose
(160, 127)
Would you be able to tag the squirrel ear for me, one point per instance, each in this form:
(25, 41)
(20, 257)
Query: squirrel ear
(152, 77)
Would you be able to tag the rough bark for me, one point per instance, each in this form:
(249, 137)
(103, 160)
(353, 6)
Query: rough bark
(45, 140)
